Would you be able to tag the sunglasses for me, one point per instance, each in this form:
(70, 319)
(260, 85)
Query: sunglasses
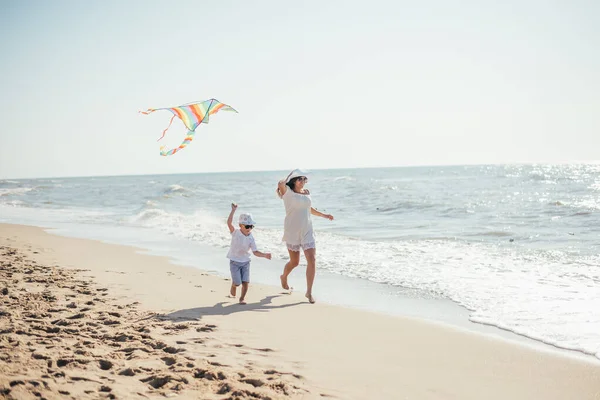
(248, 226)
(302, 178)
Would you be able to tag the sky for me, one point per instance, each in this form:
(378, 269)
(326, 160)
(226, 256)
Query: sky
(317, 84)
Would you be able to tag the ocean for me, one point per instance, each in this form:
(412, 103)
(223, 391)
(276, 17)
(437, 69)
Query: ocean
(516, 246)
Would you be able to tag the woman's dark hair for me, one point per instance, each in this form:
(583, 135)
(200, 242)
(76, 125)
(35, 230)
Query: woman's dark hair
(292, 183)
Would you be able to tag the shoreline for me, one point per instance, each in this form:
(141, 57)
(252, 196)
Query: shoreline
(401, 303)
(339, 351)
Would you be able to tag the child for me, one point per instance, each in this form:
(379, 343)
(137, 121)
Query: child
(242, 242)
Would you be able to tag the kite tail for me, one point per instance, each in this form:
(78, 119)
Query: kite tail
(186, 141)
(167, 128)
(151, 110)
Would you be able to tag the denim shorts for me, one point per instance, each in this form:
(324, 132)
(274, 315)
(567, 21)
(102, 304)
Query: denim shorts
(240, 272)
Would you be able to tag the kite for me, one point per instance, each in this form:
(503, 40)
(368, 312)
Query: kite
(192, 115)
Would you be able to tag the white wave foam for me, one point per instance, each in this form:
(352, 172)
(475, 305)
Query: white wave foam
(199, 226)
(176, 189)
(344, 178)
(25, 213)
(528, 295)
(15, 191)
(589, 203)
(13, 203)
(556, 203)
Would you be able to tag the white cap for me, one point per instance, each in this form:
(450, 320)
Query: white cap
(246, 219)
(296, 173)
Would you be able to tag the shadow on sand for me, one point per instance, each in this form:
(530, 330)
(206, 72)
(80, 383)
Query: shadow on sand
(194, 314)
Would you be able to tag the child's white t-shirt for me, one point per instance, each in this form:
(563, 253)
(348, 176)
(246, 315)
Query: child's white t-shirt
(240, 246)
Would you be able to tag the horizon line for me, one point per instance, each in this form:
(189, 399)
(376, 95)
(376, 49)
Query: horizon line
(308, 169)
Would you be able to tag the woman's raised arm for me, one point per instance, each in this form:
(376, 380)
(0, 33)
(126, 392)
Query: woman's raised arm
(281, 185)
(281, 188)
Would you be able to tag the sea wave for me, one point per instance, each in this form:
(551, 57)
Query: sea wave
(404, 206)
(176, 189)
(15, 191)
(344, 178)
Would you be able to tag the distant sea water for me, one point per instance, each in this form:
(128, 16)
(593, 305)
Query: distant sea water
(516, 245)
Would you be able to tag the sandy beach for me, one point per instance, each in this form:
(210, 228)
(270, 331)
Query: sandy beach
(84, 319)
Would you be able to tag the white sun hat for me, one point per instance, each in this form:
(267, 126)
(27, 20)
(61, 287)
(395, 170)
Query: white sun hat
(296, 173)
(246, 219)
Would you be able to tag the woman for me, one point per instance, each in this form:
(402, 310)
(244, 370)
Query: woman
(297, 230)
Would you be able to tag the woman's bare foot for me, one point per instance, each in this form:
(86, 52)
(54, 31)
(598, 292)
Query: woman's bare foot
(310, 298)
(232, 291)
(242, 301)
(284, 283)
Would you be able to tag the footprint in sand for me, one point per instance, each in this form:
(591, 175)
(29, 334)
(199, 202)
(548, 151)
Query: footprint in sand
(173, 350)
(206, 328)
(265, 350)
(158, 382)
(179, 327)
(253, 382)
(105, 365)
(169, 360)
(127, 372)
(217, 364)
(209, 375)
(224, 388)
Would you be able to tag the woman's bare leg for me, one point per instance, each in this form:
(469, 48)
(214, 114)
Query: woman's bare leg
(311, 270)
(293, 263)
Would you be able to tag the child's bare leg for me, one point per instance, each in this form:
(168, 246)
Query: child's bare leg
(232, 290)
(244, 291)
(293, 263)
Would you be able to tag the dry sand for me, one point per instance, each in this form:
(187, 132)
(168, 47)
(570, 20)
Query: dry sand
(83, 319)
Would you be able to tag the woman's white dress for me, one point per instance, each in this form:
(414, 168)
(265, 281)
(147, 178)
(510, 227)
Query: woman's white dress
(297, 228)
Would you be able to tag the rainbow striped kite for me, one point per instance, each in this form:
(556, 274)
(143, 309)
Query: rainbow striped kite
(192, 115)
